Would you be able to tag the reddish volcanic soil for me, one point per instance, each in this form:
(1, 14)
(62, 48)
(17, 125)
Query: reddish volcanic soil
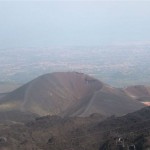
(69, 94)
(140, 93)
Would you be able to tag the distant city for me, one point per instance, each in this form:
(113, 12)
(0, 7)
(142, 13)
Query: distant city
(119, 65)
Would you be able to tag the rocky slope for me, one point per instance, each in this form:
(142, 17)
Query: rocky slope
(79, 133)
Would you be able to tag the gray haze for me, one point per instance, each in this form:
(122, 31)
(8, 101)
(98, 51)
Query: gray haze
(72, 23)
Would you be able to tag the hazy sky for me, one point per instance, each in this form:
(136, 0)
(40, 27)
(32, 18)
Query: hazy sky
(71, 23)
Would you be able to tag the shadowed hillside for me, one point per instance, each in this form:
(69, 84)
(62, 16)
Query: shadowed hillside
(79, 133)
